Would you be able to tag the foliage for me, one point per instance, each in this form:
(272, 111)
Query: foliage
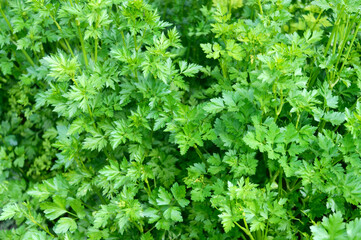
(202, 120)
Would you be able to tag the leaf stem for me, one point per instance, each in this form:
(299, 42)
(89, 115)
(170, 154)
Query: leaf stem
(140, 227)
(342, 46)
(32, 219)
(6, 19)
(334, 30)
(123, 38)
(96, 42)
(199, 153)
(245, 231)
(16, 38)
(102, 199)
(224, 69)
(150, 229)
(149, 190)
(266, 233)
(298, 119)
(279, 110)
(317, 20)
(347, 54)
(61, 30)
(260, 7)
(280, 183)
(85, 55)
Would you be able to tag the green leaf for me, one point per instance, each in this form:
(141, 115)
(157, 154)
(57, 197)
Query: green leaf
(54, 209)
(34, 234)
(189, 70)
(164, 197)
(336, 118)
(118, 134)
(152, 214)
(198, 169)
(97, 141)
(332, 228)
(354, 229)
(76, 205)
(174, 214)
(163, 224)
(64, 225)
(147, 236)
(101, 216)
(250, 140)
(179, 193)
(214, 106)
(76, 127)
(227, 219)
(323, 4)
(9, 211)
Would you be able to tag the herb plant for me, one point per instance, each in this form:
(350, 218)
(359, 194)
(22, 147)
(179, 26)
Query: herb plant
(221, 119)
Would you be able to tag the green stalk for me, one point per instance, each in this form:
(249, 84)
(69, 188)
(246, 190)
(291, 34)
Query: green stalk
(61, 30)
(246, 225)
(342, 46)
(15, 37)
(260, 7)
(33, 220)
(140, 227)
(280, 183)
(245, 231)
(6, 19)
(62, 45)
(259, 234)
(266, 232)
(123, 38)
(313, 77)
(102, 199)
(42, 50)
(96, 49)
(298, 119)
(199, 153)
(337, 32)
(28, 57)
(277, 110)
(36, 55)
(69, 48)
(149, 190)
(224, 69)
(317, 20)
(243, 237)
(334, 29)
(347, 54)
(38, 224)
(330, 40)
(150, 229)
(73, 214)
(296, 186)
(96, 42)
(85, 56)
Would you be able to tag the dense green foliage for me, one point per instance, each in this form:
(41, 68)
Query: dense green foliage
(223, 119)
